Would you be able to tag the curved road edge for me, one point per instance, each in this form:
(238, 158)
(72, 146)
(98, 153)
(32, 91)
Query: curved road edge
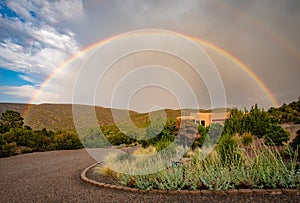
(291, 192)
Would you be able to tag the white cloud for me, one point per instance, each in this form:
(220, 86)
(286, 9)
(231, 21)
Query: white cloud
(51, 37)
(31, 60)
(28, 92)
(47, 11)
(33, 45)
(26, 78)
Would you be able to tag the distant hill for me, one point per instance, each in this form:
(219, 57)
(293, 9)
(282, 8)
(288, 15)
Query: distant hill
(59, 116)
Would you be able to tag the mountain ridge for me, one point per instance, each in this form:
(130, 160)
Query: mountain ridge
(60, 116)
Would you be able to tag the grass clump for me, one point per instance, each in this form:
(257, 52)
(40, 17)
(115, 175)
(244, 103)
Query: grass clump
(247, 139)
(145, 151)
(268, 170)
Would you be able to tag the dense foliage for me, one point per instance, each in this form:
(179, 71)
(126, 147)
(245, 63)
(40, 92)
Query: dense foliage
(241, 158)
(257, 122)
(295, 144)
(160, 139)
(17, 139)
(94, 139)
(160, 134)
(286, 113)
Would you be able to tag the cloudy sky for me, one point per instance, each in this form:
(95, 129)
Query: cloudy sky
(152, 65)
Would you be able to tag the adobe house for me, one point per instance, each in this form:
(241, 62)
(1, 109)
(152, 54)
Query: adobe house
(206, 119)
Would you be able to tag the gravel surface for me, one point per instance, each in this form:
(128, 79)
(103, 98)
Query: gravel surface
(55, 177)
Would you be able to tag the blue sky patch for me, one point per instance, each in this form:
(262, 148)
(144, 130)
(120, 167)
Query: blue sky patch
(32, 13)
(7, 12)
(11, 78)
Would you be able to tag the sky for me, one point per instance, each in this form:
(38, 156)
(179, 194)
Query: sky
(143, 54)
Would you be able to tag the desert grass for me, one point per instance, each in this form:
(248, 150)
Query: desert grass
(265, 168)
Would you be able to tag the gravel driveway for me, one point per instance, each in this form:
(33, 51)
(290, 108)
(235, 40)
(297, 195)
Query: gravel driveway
(55, 177)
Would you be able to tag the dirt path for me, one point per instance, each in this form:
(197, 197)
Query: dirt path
(55, 177)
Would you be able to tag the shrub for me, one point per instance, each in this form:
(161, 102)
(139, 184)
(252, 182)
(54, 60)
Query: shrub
(268, 170)
(3, 128)
(215, 132)
(202, 133)
(105, 171)
(11, 119)
(187, 133)
(16, 139)
(265, 169)
(119, 138)
(228, 150)
(257, 122)
(8, 149)
(276, 135)
(159, 134)
(247, 139)
(295, 144)
(94, 138)
(66, 140)
(162, 145)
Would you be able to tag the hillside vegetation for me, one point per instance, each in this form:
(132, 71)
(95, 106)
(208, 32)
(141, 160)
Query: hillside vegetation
(286, 113)
(56, 120)
(15, 138)
(59, 116)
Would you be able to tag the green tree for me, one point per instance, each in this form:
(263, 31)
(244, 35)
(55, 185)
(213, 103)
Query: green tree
(119, 138)
(159, 134)
(214, 132)
(11, 119)
(8, 149)
(295, 144)
(257, 121)
(276, 135)
(94, 138)
(286, 113)
(202, 133)
(66, 140)
(235, 123)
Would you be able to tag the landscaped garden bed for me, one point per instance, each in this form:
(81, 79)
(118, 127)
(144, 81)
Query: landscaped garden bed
(223, 169)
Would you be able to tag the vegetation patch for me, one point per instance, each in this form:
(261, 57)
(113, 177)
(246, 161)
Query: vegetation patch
(246, 156)
(221, 170)
(15, 138)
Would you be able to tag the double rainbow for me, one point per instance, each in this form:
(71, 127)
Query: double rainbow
(202, 42)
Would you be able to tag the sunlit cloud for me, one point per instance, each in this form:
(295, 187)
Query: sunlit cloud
(36, 45)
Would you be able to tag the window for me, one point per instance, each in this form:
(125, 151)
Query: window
(203, 122)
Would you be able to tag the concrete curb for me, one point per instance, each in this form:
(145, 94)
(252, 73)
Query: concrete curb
(275, 192)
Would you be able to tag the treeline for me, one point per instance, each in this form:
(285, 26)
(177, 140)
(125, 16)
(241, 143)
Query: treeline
(286, 113)
(15, 138)
(247, 125)
(257, 122)
(159, 135)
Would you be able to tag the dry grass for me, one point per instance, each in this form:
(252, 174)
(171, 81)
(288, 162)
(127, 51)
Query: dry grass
(263, 169)
(145, 151)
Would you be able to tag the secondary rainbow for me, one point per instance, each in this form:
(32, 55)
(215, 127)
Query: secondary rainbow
(202, 42)
(241, 65)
